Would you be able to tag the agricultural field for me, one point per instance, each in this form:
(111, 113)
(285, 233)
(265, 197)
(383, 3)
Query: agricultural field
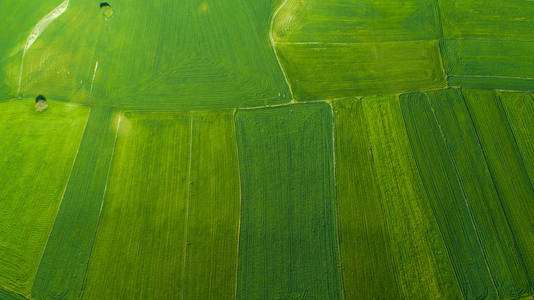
(39, 151)
(267, 149)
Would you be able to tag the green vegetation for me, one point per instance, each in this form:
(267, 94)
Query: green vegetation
(446, 197)
(506, 167)
(347, 48)
(422, 266)
(166, 55)
(172, 197)
(139, 249)
(5, 295)
(288, 241)
(519, 109)
(38, 151)
(18, 19)
(487, 43)
(214, 207)
(62, 269)
(496, 238)
(366, 253)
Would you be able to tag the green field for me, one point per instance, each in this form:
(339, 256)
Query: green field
(288, 240)
(267, 149)
(38, 153)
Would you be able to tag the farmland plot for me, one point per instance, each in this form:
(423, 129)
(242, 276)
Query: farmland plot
(345, 48)
(364, 239)
(172, 198)
(439, 177)
(288, 240)
(422, 265)
(498, 243)
(38, 151)
(504, 159)
(519, 109)
(139, 249)
(159, 55)
(214, 207)
(64, 263)
(487, 43)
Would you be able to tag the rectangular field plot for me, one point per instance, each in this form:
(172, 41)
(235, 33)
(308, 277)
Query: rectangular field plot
(487, 19)
(519, 109)
(38, 151)
(366, 254)
(357, 21)
(333, 70)
(214, 207)
(172, 198)
(493, 64)
(64, 263)
(423, 268)
(506, 167)
(493, 231)
(288, 241)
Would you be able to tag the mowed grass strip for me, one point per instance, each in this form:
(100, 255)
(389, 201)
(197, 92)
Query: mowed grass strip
(519, 109)
(446, 197)
(366, 254)
(288, 247)
(334, 70)
(64, 263)
(160, 55)
(497, 239)
(506, 167)
(38, 151)
(140, 248)
(422, 265)
(214, 207)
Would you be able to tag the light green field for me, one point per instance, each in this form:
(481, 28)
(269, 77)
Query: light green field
(38, 153)
(164, 214)
(214, 209)
(341, 48)
(62, 269)
(159, 55)
(423, 267)
(366, 253)
(16, 24)
(288, 241)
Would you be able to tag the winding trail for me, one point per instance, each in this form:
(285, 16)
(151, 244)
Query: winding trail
(36, 32)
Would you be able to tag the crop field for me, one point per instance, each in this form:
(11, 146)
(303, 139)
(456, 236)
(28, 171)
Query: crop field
(266, 149)
(39, 150)
(288, 240)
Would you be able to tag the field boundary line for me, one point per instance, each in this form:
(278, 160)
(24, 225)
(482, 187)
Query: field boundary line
(339, 267)
(273, 45)
(464, 195)
(104, 193)
(493, 76)
(63, 194)
(36, 32)
(240, 204)
(187, 203)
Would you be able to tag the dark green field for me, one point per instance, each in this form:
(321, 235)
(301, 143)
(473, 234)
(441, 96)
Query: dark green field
(267, 149)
